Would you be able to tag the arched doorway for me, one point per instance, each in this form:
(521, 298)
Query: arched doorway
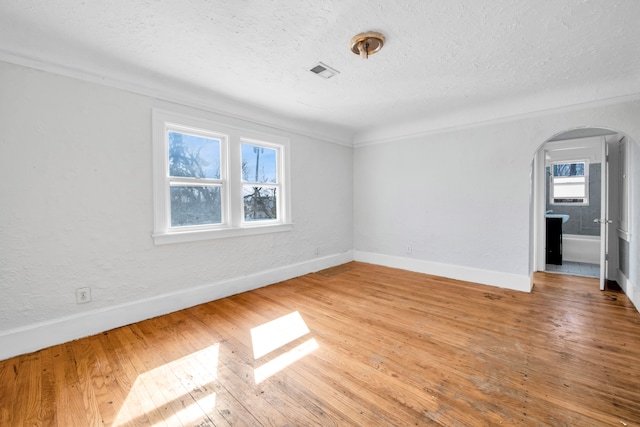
(591, 221)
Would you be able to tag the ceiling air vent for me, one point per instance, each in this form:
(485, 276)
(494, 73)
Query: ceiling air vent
(324, 70)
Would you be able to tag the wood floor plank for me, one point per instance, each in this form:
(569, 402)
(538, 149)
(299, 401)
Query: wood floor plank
(227, 406)
(89, 382)
(48, 414)
(138, 403)
(277, 408)
(156, 395)
(114, 380)
(109, 394)
(136, 406)
(382, 347)
(8, 374)
(376, 359)
(325, 409)
(26, 402)
(370, 356)
(70, 406)
(198, 381)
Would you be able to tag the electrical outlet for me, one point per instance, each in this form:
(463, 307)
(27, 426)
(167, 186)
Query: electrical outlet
(409, 249)
(83, 295)
(317, 251)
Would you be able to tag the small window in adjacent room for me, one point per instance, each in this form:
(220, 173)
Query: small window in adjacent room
(569, 183)
(213, 181)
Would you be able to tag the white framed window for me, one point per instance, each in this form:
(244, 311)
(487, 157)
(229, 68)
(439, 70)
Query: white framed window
(196, 177)
(261, 182)
(213, 180)
(569, 183)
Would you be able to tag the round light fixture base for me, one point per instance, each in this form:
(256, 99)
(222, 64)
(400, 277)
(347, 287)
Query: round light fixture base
(365, 44)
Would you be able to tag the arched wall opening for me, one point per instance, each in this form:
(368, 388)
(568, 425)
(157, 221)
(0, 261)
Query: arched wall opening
(619, 203)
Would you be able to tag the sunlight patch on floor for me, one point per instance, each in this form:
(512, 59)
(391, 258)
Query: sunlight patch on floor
(179, 392)
(286, 359)
(275, 334)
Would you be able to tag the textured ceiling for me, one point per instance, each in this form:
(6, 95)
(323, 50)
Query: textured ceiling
(445, 63)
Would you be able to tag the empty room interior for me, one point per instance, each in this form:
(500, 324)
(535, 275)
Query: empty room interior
(320, 213)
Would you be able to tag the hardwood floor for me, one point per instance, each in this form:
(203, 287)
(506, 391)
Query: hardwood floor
(354, 345)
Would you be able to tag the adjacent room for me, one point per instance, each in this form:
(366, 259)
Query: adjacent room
(319, 213)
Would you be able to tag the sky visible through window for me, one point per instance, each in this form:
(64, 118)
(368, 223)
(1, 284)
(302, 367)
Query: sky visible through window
(194, 156)
(261, 160)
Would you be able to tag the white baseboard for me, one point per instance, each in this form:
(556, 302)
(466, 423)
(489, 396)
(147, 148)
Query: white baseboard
(631, 289)
(37, 336)
(486, 277)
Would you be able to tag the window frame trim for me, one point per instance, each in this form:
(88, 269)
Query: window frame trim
(281, 198)
(222, 182)
(585, 199)
(231, 175)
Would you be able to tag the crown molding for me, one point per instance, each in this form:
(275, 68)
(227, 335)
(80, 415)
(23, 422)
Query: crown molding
(226, 107)
(461, 121)
(188, 97)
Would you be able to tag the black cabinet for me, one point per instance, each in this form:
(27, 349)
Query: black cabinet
(554, 241)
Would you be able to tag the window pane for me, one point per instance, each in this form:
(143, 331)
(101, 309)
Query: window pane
(569, 191)
(569, 180)
(568, 169)
(195, 206)
(260, 203)
(193, 156)
(571, 187)
(258, 164)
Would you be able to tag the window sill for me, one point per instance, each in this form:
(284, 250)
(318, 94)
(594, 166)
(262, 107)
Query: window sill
(194, 236)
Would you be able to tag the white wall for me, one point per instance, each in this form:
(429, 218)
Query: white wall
(461, 197)
(457, 198)
(632, 283)
(76, 210)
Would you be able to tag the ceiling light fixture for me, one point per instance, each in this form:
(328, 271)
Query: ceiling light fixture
(365, 44)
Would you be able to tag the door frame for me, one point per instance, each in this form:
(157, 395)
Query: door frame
(538, 206)
(604, 213)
